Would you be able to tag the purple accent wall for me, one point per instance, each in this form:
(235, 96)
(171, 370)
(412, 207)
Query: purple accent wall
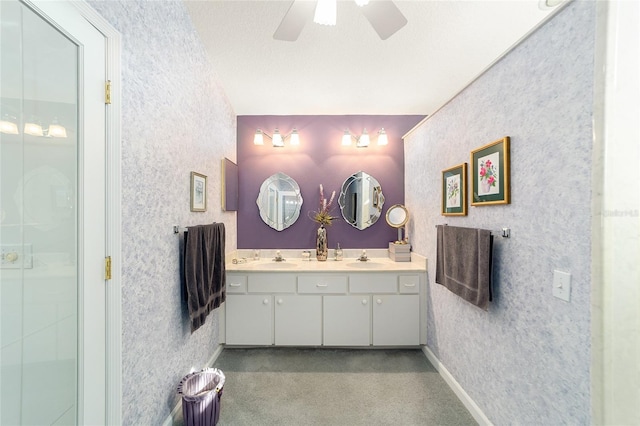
(319, 159)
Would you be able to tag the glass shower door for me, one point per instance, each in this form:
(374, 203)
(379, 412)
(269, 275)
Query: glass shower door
(38, 220)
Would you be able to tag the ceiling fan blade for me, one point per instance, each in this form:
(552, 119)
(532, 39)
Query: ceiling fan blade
(294, 20)
(385, 17)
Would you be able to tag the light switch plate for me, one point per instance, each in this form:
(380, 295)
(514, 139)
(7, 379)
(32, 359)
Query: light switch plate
(562, 285)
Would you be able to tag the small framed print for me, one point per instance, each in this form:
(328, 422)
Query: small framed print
(454, 191)
(198, 192)
(490, 174)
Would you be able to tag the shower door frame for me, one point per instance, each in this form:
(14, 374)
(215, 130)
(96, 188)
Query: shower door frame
(65, 14)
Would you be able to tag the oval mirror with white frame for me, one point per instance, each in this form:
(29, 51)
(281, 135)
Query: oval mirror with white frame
(361, 200)
(397, 217)
(279, 201)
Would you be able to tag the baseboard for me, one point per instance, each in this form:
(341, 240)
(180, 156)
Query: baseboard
(466, 400)
(169, 420)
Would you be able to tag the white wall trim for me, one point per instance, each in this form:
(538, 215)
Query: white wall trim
(462, 395)
(169, 420)
(113, 214)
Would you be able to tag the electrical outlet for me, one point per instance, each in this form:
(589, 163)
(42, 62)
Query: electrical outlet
(562, 285)
(16, 256)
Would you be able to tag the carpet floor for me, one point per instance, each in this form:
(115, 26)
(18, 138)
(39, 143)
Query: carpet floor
(308, 386)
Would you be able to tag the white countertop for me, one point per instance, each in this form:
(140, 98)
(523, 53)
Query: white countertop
(294, 263)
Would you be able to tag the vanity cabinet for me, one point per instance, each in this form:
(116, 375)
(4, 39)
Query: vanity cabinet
(396, 320)
(347, 320)
(331, 309)
(249, 319)
(298, 320)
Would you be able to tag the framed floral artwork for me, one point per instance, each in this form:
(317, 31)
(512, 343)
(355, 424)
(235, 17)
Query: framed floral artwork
(490, 174)
(454, 191)
(198, 192)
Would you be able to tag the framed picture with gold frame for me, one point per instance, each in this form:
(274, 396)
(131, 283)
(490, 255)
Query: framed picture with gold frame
(454, 191)
(490, 171)
(198, 192)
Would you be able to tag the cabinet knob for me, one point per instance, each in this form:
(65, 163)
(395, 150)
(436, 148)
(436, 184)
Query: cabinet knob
(265, 302)
(379, 301)
(280, 301)
(12, 256)
(364, 301)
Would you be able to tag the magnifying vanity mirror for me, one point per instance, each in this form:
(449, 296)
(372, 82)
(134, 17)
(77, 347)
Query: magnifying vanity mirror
(279, 201)
(397, 217)
(361, 200)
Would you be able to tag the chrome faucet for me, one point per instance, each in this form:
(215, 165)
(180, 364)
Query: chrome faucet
(363, 257)
(279, 257)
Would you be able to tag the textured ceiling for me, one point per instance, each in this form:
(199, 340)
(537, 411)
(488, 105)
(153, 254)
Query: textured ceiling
(347, 69)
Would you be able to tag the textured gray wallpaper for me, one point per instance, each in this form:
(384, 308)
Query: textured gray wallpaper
(525, 361)
(175, 119)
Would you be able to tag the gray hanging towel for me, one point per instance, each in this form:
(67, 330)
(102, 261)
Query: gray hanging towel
(463, 263)
(204, 271)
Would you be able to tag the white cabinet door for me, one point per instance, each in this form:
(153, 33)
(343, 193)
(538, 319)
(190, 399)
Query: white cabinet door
(347, 320)
(396, 320)
(249, 319)
(298, 320)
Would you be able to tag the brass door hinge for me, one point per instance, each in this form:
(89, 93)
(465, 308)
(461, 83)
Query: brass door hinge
(107, 268)
(107, 92)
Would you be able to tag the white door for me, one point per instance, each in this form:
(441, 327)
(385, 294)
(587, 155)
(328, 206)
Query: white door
(52, 215)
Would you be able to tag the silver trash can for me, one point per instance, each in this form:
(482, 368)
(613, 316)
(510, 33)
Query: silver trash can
(201, 392)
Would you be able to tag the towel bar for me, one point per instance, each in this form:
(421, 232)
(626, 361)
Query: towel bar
(506, 232)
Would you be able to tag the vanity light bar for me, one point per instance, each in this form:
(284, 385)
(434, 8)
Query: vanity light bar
(277, 139)
(364, 140)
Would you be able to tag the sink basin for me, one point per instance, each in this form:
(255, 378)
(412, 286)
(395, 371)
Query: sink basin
(275, 265)
(364, 265)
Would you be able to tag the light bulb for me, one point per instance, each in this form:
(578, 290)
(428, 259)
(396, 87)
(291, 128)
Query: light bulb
(363, 142)
(33, 129)
(258, 139)
(346, 138)
(325, 12)
(382, 137)
(278, 142)
(295, 137)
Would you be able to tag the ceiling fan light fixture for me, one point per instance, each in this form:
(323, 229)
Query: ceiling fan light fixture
(326, 11)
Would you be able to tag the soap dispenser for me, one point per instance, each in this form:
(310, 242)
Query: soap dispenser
(338, 253)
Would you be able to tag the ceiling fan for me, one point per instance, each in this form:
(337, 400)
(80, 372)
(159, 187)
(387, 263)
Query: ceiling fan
(384, 16)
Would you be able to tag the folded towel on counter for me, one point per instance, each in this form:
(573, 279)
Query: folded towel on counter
(204, 270)
(463, 263)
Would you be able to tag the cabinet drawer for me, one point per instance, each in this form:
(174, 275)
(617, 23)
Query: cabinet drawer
(236, 283)
(373, 283)
(322, 284)
(409, 284)
(271, 283)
